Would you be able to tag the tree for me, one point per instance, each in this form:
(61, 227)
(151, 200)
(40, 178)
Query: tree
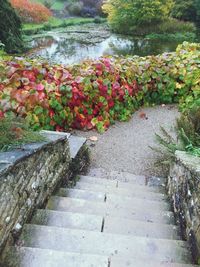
(188, 10)
(184, 10)
(197, 7)
(124, 14)
(10, 27)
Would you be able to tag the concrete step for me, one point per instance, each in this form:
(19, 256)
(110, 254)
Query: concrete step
(111, 198)
(115, 225)
(140, 212)
(131, 262)
(36, 257)
(122, 184)
(139, 191)
(75, 144)
(82, 194)
(127, 177)
(136, 202)
(68, 220)
(104, 244)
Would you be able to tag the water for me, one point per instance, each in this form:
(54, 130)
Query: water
(60, 48)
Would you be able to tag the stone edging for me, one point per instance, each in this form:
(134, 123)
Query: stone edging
(184, 191)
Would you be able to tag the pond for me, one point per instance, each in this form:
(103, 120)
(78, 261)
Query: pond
(72, 45)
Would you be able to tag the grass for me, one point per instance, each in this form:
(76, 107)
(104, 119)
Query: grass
(188, 36)
(15, 132)
(53, 23)
(56, 4)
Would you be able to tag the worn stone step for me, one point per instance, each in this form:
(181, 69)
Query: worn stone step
(127, 177)
(82, 194)
(137, 228)
(68, 220)
(36, 257)
(134, 201)
(111, 198)
(139, 191)
(96, 208)
(75, 144)
(104, 244)
(159, 186)
(134, 262)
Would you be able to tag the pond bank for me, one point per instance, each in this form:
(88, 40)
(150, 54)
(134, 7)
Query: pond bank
(74, 44)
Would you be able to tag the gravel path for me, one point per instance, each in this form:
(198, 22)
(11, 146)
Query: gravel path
(125, 146)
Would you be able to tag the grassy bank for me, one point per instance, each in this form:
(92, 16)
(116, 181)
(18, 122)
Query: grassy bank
(29, 29)
(187, 36)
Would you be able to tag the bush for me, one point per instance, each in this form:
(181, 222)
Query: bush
(89, 12)
(30, 11)
(96, 93)
(168, 26)
(75, 8)
(175, 26)
(47, 26)
(10, 28)
(126, 16)
(97, 20)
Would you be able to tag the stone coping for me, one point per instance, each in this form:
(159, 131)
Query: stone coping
(189, 161)
(10, 158)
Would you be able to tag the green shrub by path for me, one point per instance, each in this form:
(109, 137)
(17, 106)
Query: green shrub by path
(96, 93)
(187, 137)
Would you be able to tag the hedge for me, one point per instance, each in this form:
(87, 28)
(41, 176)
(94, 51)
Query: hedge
(96, 93)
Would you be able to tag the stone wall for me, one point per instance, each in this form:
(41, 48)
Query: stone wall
(28, 176)
(184, 190)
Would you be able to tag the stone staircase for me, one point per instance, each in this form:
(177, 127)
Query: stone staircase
(109, 219)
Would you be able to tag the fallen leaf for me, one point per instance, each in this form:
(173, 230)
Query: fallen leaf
(143, 115)
(93, 138)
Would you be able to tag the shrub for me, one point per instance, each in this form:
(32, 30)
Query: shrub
(75, 8)
(128, 15)
(97, 20)
(170, 26)
(30, 11)
(174, 26)
(89, 12)
(47, 26)
(96, 93)
(10, 28)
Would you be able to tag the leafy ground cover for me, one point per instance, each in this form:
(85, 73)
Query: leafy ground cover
(96, 93)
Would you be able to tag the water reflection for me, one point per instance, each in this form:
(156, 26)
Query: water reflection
(67, 51)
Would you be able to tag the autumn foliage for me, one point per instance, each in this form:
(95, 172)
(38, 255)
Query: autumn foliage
(31, 12)
(96, 93)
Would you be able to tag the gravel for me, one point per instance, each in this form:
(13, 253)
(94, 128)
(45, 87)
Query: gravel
(125, 146)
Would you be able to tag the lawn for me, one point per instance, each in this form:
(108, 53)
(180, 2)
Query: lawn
(57, 5)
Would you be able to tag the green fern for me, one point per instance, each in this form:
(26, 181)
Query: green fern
(188, 137)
